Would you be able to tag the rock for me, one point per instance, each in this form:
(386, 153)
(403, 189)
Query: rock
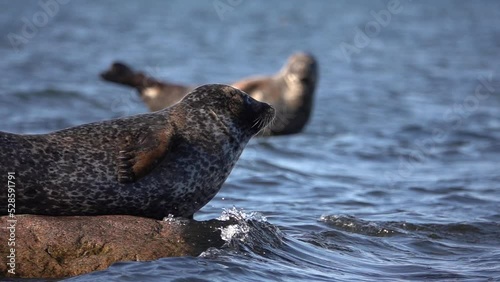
(56, 247)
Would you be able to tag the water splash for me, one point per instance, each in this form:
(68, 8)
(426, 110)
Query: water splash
(239, 231)
(251, 235)
(239, 214)
(169, 218)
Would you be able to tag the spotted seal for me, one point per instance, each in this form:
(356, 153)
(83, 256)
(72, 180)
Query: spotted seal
(171, 161)
(290, 91)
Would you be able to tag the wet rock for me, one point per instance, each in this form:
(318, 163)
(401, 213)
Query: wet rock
(55, 247)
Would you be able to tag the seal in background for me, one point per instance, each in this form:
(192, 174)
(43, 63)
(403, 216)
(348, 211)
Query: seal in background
(290, 91)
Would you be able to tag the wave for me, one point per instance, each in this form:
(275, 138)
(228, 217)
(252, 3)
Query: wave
(478, 232)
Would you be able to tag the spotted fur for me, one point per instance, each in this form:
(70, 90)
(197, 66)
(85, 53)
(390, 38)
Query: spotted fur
(168, 162)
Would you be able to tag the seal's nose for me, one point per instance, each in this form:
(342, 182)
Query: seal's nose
(260, 113)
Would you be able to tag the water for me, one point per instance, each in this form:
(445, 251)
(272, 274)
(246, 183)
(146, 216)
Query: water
(396, 177)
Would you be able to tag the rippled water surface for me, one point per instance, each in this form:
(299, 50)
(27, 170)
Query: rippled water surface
(395, 178)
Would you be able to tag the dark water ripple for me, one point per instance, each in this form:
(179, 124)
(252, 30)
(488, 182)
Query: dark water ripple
(395, 178)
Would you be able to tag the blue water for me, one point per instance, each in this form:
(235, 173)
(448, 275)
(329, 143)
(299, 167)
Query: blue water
(396, 177)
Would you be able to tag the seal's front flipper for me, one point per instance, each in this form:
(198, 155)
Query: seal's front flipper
(140, 154)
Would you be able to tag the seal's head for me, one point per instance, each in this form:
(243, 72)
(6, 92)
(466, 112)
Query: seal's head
(301, 67)
(231, 108)
(119, 73)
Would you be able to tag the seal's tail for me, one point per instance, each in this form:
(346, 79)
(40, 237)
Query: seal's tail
(122, 74)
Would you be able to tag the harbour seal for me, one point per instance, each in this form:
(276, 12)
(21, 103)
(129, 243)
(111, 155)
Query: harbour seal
(290, 91)
(171, 161)
(155, 94)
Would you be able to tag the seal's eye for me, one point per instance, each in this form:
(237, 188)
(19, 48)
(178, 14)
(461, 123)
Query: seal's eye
(247, 100)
